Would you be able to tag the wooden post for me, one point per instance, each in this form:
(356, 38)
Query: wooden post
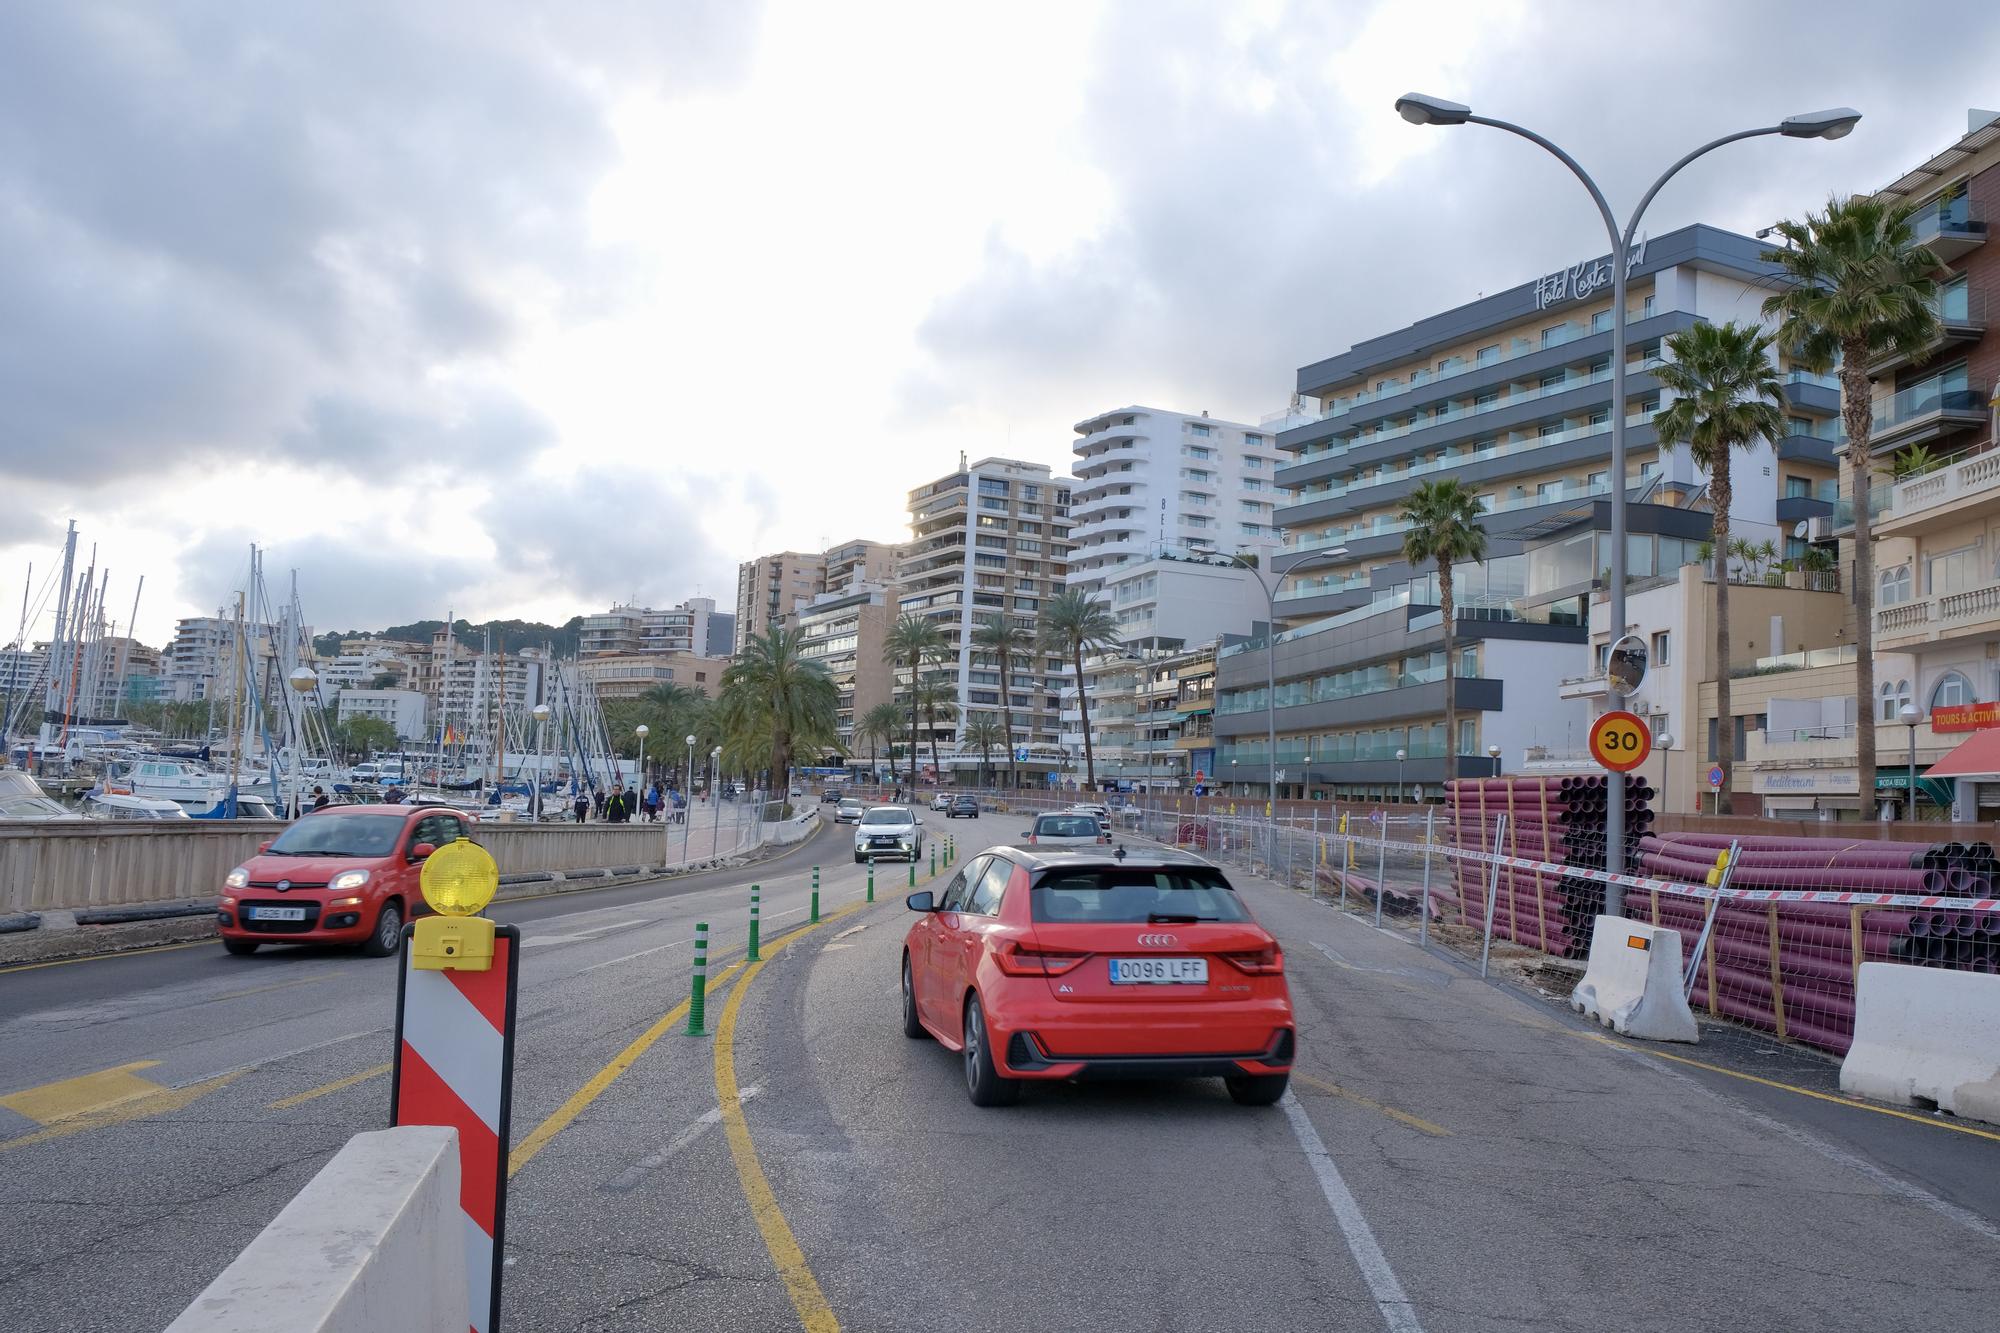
(1777, 973)
(1712, 1008)
(1854, 932)
(1656, 907)
(1541, 883)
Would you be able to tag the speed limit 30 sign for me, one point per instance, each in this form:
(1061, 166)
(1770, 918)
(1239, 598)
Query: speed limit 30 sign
(1620, 741)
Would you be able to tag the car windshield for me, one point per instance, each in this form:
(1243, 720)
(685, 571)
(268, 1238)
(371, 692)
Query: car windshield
(1109, 894)
(1066, 826)
(850, 805)
(887, 814)
(340, 835)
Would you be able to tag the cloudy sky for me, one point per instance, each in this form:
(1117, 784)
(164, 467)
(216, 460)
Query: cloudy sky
(517, 309)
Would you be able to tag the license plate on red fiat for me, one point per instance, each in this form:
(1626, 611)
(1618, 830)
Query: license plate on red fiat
(1159, 971)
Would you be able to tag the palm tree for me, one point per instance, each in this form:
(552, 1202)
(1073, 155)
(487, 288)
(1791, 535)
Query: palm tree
(984, 732)
(1006, 641)
(910, 643)
(775, 701)
(878, 724)
(1073, 624)
(1726, 396)
(1444, 529)
(939, 701)
(1860, 288)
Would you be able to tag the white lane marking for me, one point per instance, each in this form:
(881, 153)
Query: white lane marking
(1390, 1298)
(591, 933)
(852, 930)
(626, 958)
(841, 940)
(706, 1121)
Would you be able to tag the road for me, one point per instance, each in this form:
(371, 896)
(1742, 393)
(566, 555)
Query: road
(1456, 1154)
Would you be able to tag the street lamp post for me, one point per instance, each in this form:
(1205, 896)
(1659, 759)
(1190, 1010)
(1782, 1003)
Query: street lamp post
(687, 800)
(640, 731)
(1401, 755)
(1270, 591)
(1666, 744)
(1493, 753)
(540, 712)
(1836, 123)
(1909, 716)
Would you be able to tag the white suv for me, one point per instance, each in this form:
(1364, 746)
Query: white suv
(889, 831)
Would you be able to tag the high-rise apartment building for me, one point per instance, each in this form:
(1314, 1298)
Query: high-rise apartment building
(695, 626)
(845, 625)
(991, 539)
(1509, 394)
(771, 587)
(859, 561)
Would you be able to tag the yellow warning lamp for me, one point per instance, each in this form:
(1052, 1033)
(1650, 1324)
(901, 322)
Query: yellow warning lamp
(1716, 871)
(458, 880)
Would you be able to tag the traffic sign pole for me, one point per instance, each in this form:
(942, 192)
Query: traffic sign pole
(1620, 741)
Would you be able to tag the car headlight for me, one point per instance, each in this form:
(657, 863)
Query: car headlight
(348, 879)
(238, 878)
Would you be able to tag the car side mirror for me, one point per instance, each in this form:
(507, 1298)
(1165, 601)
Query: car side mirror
(920, 819)
(422, 850)
(264, 846)
(1027, 833)
(922, 901)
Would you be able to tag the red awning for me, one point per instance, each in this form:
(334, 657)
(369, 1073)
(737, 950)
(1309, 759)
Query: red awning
(1977, 756)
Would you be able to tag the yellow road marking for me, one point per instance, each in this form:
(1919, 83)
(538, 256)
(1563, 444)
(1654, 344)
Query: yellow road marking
(1856, 1104)
(566, 1114)
(104, 957)
(164, 1101)
(89, 1092)
(1401, 1117)
(300, 1099)
(815, 1314)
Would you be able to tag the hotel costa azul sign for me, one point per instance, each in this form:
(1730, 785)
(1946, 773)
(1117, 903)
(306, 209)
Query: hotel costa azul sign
(1579, 282)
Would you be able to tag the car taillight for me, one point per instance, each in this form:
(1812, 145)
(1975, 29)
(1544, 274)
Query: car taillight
(1267, 959)
(1021, 960)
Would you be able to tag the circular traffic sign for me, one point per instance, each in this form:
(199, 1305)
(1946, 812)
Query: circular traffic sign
(1620, 741)
(1715, 776)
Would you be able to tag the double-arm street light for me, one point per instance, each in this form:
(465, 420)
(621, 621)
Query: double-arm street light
(1837, 123)
(1270, 590)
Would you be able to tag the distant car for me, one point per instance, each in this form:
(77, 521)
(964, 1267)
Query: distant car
(347, 874)
(941, 801)
(1066, 828)
(847, 812)
(1101, 813)
(830, 795)
(1075, 965)
(889, 832)
(962, 807)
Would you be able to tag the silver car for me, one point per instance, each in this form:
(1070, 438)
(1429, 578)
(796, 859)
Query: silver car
(887, 831)
(847, 812)
(1067, 828)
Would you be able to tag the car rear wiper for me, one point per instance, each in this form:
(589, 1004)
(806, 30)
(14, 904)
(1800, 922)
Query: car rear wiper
(1176, 918)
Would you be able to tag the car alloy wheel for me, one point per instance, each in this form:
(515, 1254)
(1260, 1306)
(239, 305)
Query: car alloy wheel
(912, 1027)
(388, 936)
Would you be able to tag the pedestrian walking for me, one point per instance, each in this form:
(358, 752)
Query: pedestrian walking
(597, 802)
(582, 808)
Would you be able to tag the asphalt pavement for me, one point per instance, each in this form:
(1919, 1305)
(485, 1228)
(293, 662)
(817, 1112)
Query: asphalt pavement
(1456, 1154)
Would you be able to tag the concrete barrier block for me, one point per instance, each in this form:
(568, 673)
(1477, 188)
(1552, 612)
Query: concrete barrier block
(1633, 982)
(1925, 1034)
(374, 1241)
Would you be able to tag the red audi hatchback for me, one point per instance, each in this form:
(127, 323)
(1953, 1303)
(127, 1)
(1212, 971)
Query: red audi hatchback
(347, 874)
(1086, 965)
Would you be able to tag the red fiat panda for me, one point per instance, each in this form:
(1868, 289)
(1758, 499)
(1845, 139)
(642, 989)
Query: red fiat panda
(347, 874)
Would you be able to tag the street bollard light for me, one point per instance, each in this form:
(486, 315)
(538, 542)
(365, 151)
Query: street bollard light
(698, 997)
(1666, 744)
(756, 902)
(1421, 109)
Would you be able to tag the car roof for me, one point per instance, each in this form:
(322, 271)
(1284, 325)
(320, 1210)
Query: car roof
(1144, 858)
(381, 808)
(901, 809)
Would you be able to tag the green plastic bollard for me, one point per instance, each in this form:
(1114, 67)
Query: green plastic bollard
(698, 998)
(815, 905)
(756, 899)
(871, 881)
(913, 872)
(933, 860)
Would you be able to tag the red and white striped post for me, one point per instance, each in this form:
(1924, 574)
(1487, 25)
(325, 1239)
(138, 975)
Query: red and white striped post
(454, 1061)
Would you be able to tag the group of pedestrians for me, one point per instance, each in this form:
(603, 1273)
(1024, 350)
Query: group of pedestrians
(623, 806)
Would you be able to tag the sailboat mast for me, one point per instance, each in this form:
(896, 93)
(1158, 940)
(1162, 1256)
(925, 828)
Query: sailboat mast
(52, 696)
(239, 663)
(125, 648)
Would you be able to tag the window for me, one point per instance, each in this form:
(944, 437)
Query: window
(955, 896)
(1660, 649)
(990, 486)
(985, 899)
(1952, 571)
(1552, 336)
(1798, 488)
(1893, 586)
(1253, 464)
(1468, 735)
(1549, 428)
(1951, 690)
(1553, 381)
(1893, 695)
(1134, 896)
(1486, 356)
(1196, 428)
(1600, 322)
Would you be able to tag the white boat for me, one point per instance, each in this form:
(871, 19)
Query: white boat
(181, 780)
(117, 805)
(22, 799)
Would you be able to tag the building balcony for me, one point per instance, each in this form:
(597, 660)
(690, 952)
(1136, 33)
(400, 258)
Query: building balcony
(1942, 498)
(1927, 411)
(1948, 230)
(1583, 687)
(1961, 321)
(1969, 613)
(1799, 508)
(1834, 745)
